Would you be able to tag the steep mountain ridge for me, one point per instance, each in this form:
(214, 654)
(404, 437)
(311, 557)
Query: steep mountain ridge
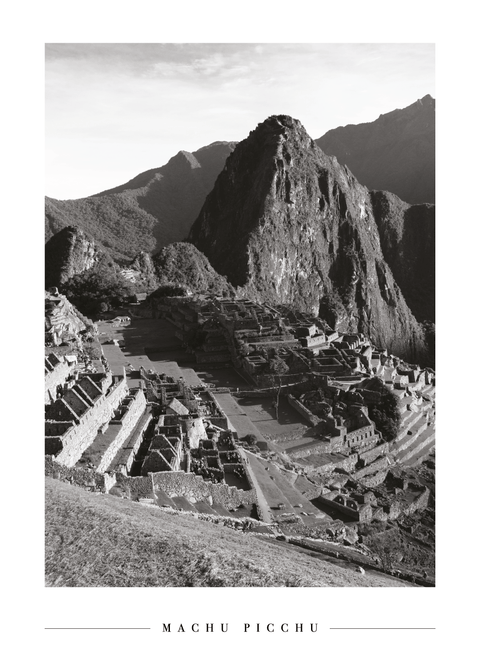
(69, 253)
(396, 152)
(154, 209)
(407, 237)
(287, 224)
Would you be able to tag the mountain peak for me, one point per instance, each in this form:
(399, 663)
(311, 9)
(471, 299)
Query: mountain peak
(155, 208)
(286, 224)
(184, 158)
(427, 99)
(278, 123)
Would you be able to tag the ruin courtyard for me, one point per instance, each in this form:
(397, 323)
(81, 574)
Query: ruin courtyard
(262, 418)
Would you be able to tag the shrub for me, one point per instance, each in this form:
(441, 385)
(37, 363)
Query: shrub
(385, 413)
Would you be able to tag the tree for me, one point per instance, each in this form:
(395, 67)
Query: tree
(169, 290)
(387, 547)
(102, 284)
(278, 367)
(385, 413)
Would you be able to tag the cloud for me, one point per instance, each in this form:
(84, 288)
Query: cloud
(136, 105)
(216, 66)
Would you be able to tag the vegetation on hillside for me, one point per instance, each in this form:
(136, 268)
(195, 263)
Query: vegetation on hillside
(153, 209)
(385, 413)
(99, 289)
(99, 540)
(117, 222)
(168, 291)
(181, 264)
(393, 546)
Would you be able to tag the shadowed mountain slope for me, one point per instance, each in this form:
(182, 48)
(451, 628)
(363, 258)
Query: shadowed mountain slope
(394, 153)
(289, 225)
(407, 237)
(68, 253)
(154, 209)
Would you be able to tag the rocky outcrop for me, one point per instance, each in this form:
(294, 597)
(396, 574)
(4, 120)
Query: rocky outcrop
(407, 238)
(181, 264)
(394, 153)
(69, 253)
(63, 322)
(287, 224)
(154, 209)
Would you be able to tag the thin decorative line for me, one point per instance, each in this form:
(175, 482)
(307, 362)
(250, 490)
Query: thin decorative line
(382, 628)
(97, 628)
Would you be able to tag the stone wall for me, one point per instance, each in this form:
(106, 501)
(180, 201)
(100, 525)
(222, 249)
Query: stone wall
(362, 438)
(55, 377)
(374, 480)
(75, 441)
(420, 503)
(194, 488)
(124, 458)
(287, 388)
(174, 484)
(320, 448)
(79, 476)
(378, 465)
(362, 513)
(267, 380)
(347, 464)
(304, 412)
(371, 454)
(126, 426)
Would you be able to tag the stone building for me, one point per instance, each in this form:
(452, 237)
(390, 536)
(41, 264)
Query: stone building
(57, 370)
(73, 421)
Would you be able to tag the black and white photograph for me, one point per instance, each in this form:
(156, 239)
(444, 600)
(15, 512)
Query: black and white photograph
(225, 218)
(239, 344)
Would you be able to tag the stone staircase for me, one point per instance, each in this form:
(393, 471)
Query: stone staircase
(422, 455)
(410, 420)
(417, 448)
(403, 403)
(428, 391)
(405, 438)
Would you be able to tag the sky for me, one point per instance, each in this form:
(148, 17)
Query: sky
(115, 110)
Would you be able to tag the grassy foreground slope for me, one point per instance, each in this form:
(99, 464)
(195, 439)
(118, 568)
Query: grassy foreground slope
(100, 540)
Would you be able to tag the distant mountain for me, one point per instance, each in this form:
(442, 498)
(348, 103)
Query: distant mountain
(407, 238)
(154, 209)
(285, 223)
(394, 153)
